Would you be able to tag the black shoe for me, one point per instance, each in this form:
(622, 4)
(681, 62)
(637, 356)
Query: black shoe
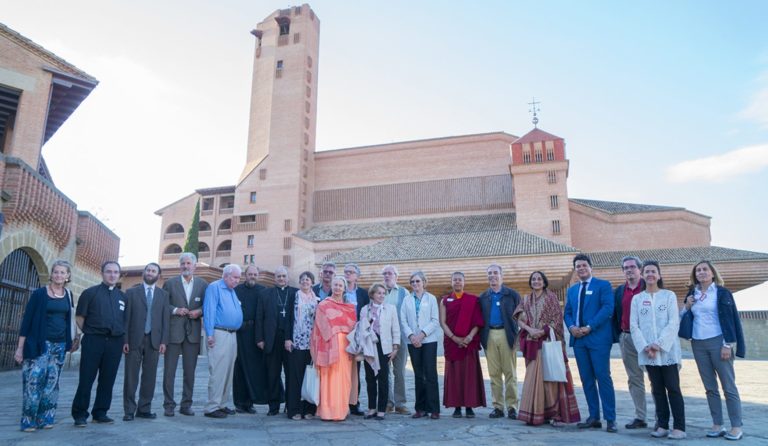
(636, 424)
(240, 409)
(187, 411)
(216, 414)
(273, 412)
(103, 420)
(355, 411)
(146, 415)
(457, 413)
(496, 413)
(169, 413)
(611, 427)
(128, 417)
(228, 411)
(512, 413)
(470, 413)
(590, 423)
(81, 422)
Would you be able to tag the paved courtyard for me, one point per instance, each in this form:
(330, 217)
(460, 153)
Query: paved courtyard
(752, 378)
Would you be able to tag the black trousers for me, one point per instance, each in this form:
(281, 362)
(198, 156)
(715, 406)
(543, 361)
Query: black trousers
(665, 387)
(424, 362)
(100, 355)
(277, 361)
(298, 360)
(378, 385)
(249, 380)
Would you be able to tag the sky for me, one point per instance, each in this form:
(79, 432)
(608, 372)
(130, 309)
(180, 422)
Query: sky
(659, 102)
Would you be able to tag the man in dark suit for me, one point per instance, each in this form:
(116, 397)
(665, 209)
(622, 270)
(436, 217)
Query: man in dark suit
(359, 297)
(498, 337)
(271, 333)
(587, 315)
(249, 383)
(185, 302)
(147, 320)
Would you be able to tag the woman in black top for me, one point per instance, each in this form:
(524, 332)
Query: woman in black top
(44, 339)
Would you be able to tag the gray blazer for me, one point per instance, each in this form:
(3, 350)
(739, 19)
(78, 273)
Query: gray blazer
(136, 317)
(183, 328)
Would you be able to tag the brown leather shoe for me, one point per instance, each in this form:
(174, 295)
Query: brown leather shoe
(402, 411)
(419, 414)
(435, 416)
(187, 411)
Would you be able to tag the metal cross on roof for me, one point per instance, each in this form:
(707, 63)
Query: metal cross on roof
(535, 110)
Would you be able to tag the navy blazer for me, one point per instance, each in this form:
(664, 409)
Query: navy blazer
(730, 322)
(510, 299)
(598, 312)
(34, 324)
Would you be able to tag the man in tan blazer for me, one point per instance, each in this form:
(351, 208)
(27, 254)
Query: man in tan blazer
(147, 320)
(185, 303)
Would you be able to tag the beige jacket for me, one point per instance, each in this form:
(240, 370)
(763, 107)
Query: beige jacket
(389, 332)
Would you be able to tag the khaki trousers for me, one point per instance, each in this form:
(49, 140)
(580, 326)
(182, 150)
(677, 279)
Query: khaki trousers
(635, 377)
(502, 361)
(221, 366)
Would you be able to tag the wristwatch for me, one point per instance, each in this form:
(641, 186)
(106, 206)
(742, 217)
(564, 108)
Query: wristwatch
(726, 345)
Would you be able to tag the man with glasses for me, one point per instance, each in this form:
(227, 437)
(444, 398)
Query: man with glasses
(358, 296)
(271, 331)
(622, 296)
(395, 295)
(323, 289)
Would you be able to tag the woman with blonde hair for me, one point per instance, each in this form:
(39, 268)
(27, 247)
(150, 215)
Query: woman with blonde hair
(717, 336)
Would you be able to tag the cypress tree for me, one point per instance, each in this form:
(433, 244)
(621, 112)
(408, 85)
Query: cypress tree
(193, 243)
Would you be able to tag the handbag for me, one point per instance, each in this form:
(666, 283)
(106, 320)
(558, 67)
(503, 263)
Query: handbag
(310, 387)
(552, 361)
(686, 326)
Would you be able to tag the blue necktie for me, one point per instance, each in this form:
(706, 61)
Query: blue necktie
(582, 297)
(148, 324)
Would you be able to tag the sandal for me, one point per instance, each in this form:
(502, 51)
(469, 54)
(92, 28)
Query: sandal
(296, 417)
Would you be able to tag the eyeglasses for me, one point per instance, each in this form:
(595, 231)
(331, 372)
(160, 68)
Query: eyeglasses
(329, 272)
(630, 267)
(350, 272)
(416, 281)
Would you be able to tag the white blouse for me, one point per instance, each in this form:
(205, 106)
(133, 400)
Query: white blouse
(654, 320)
(706, 320)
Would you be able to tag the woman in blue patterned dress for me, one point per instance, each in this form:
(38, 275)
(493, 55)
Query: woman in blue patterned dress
(44, 339)
(300, 322)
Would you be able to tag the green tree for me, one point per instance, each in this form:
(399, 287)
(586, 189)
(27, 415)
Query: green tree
(193, 243)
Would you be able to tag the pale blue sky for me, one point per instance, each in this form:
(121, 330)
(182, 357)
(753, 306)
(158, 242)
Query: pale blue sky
(639, 90)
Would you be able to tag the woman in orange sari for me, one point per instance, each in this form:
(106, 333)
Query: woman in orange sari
(550, 402)
(334, 319)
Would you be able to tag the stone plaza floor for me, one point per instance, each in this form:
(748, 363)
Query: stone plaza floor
(243, 429)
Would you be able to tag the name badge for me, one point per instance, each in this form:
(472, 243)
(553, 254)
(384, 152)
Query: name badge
(498, 304)
(588, 293)
(647, 303)
(197, 299)
(450, 299)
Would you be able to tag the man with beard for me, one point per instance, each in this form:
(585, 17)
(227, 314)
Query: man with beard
(100, 316)
(249, 385)
(271, 333)
(185, 301)
(147, 319)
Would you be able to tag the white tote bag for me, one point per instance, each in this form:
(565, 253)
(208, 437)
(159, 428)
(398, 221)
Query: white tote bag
(552, 362)
(310, 387)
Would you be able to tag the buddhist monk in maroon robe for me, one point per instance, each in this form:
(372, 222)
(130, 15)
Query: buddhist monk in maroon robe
(461, 318)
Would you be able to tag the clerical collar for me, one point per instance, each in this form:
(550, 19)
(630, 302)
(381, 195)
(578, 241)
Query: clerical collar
(111, 287)
(281, 288)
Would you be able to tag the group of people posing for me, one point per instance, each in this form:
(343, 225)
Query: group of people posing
(255, 335)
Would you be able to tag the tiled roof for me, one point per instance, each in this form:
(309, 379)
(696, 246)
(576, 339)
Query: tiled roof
(423, 226)
(511, 242)
(536, 135)
(610, 259)
(216, 190)
(615, 207)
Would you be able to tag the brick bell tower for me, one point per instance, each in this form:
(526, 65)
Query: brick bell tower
(274, 191)
(539, 176)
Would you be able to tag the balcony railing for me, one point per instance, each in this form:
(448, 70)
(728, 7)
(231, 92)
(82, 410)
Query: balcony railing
(226, 211)
(204, 234)
(172, 235)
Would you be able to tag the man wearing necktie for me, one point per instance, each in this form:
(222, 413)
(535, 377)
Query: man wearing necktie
(147, 321)
(587, 315)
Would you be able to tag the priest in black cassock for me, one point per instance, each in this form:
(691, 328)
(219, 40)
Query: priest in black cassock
(249, 382)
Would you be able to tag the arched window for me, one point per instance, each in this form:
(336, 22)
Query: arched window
(226, 245)
(226, 225)
(203, 247)
(172, 249)
(175, 228)
(203, 226)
